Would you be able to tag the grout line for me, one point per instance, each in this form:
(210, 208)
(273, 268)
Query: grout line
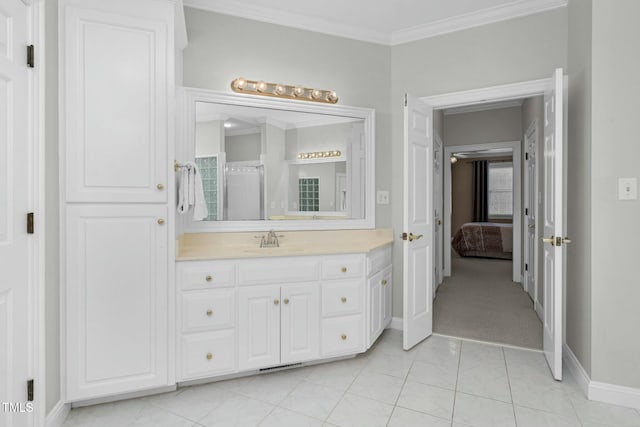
(404, 382)
(513, 406)
(455, 387)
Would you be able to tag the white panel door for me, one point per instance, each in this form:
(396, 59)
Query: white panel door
(530, 209)
(258, 326)
(14, 203)
(417, 222)
(114, 90)
(554, 227)
(116, 299)
(300, 324)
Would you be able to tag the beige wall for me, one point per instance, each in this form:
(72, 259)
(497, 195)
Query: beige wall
(615, 285)
(482, 127)
(579, 258)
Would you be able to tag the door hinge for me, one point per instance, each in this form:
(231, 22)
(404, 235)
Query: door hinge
(404, 236)
(526, 156)
(526, 211)
(526, 267)
(405, 100)
(30, 223)
(31, 56)
(29, 390)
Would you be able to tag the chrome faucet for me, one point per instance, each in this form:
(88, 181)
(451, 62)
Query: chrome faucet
(270, 241)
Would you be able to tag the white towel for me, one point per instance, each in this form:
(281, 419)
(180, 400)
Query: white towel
(191, 192)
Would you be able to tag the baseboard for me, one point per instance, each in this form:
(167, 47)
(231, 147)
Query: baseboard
(539, 312)
(598, 391)
(58, 414)
(614, 394)
(396, 323)
(573, 365)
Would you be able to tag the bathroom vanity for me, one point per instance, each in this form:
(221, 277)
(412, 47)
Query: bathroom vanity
(243, 308)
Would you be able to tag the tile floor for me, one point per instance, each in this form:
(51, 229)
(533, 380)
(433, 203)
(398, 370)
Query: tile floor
(441, 382)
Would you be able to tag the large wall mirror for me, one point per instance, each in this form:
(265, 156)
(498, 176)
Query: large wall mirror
(278, 164)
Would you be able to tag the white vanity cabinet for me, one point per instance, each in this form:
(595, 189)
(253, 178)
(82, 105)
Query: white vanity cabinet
(117, 89)
(242, 315)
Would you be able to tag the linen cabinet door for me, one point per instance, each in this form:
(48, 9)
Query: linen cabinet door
(116, 300)
(300, 316)
(375, 308)
(116, 75)
(259, 326)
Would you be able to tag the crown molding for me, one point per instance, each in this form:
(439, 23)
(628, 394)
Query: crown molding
(289, 19)
(326, 26)
(475, 19)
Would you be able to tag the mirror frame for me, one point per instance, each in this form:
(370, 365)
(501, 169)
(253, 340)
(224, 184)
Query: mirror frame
(185, 151)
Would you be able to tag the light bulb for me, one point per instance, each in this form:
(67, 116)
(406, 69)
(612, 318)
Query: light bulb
(261, 86)
(298, 91)
(240, 83)
(279, 90)
(332, 96)
(316, 93)
(453, 159)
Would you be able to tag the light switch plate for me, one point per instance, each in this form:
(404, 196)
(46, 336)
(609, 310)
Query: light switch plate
(627, 189)
(382, 197)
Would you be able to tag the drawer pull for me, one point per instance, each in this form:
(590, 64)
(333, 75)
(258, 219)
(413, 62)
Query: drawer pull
(344, 269)
(209, 356)
(209, 278)
(286, 300)
(343, 299)
(160, 221)
(344, 337)
(160, 187)
(276, 302)
(209, 312)
(384, 282)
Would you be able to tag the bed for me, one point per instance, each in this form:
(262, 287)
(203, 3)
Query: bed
(484, 239)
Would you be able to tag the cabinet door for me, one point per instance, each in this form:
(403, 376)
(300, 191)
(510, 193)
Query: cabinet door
(387, 297)
(115, 81)
(116, 299)
(375, 308)
(259, 326)
(300, 314)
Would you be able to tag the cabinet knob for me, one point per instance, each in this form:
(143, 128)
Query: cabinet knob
(209, 356)
(286, 300)
(208, 278)
(160, 187)
(384, 282)
(343, 299)
(209, 312)
(276, 302)
(343, 269)
(344, 337)
(160, 221)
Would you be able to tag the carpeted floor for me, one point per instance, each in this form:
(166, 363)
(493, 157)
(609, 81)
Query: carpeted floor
(479, 301)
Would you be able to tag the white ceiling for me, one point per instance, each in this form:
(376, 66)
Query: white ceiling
(387, 22)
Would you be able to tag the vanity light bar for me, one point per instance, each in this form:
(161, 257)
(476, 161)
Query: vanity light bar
(242, 85)
(320, 154)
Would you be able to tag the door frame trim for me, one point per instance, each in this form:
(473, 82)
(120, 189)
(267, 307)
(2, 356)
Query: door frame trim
(36, 200)
(516, 153)
(484, 95)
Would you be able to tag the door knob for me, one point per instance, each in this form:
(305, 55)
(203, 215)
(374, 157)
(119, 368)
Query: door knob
(551, 240)
(411, 237)
(566, 240)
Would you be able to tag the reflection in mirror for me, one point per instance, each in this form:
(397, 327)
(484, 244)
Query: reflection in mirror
(271, 164)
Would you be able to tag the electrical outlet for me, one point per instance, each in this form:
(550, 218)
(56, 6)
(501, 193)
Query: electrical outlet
(627, 188)
(382, 197)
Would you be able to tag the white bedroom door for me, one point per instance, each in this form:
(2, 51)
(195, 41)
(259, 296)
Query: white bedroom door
(14, 205)
(554, 243)
(418, 216)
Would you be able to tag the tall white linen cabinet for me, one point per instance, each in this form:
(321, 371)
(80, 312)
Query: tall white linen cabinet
(117, 90)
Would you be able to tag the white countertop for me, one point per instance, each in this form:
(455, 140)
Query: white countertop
(210, 246)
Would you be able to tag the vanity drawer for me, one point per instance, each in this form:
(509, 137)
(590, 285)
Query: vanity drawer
(206, 274)
(278, 270)
(341, 335)
(209, 353)
(208, 310)
(342, 297)
(343, 266)
(378, 259)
